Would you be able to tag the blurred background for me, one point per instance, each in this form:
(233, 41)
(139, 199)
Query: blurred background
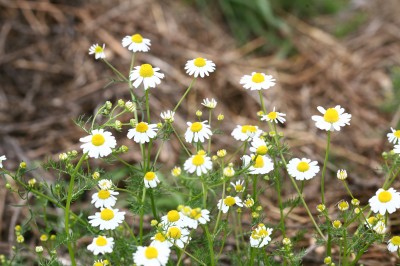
(322, 53)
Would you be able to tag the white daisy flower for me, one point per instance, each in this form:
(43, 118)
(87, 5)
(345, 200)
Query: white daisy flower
(371, 221)
(173, 218)
(333, 119)
(159, 238)
(151, 180)
(197, 132)
(238, 186)
(101, 244)
(143, 132)
(385, 200)
(394, 136)
(105, 184)
(100, 263)
(99, 144)
(260, 164)
(104, 198)
(107, 218)
(168, 116)
(341, 174)
(98, 51)
(199, 163)
(274, 117)
(146, 74)
(249, 202)
(394, 243)
(153, 255)
(176, 171)
(380, 228)
(260, 236)
(229, 171)
(303, 169)
(396, 148)
(199, 66)
(177, 236)
(257, 81)
(194, 216)
(225, 204)
(2, 158)
(245, 132)
(259, 146)
(209, 104)
(136, 43)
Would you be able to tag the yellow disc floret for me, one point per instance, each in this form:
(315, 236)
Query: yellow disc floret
(137, 38)
(397, 134)
(331, 115)
(173, 216)
(229, 201)
(151, 253)
(196, 127)
(198, 160)
(248, 128)
(106, 214)
(303, 167)
(259, 163)
(174, 232)
(149, 176)
(384, 196)
(101, 241)
(262, 150)
(199, 62)
(257, 78)
(159, 237)
(98, 139)
(142, 127)
(395, 240)
(146, 71)
(272, 115)
(98, 49)
(104, 194)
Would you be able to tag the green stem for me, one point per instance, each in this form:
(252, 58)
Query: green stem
(180, 141)
(328, 141)
(141, 216)
(205, 190)
(282, 216)
(115, 71)
(184, 95)
(262, 102)
(210, 245)
(219, 210)
(153, 205)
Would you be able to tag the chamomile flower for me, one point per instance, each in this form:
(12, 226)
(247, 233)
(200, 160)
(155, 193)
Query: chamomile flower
(259, 146)
(105, 184)
(260, 236)
(245, 132)
(238, 186)
(260, 164)
(98, 51)
(332, 119)
(199, 66)
(173, 218)
(104, 198)
(99, 263)
(168, 116)
(136, 43)
(151, 180)
(341, 174)
(303, 169)
(177, 236)
(229, 171)
(101, 244)
(197, 132)
(176, 171)
(98, 144)
(248, 202)
(394, 136)
(2, 158)
(107, 218)
(199, 163)
(257, 81)
(274, 117)
(229, 201)
(209, 103)
(343, 205)
(393, 244)
(153, 255)
(385, 200)
(380, 227)
(143, 132)
(194, 216)
(146, 74)
(159, 238)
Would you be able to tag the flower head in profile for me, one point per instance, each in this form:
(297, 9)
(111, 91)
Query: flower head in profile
(341, 174)
(168, 116)
(199, 163)
(154, 255)
(151, 180)
(385, 201)
(104, 198)
(199, 67)
(394, 136)
(257, 81)
(136, 43)
(245, 132)
(107, 218)
(98, 144)
(260, 236)
(98, 51)
(380, 228)
(259, 146)
(2, 158)
(332, 119)
(197, 132)
(228, 202)
(393, 244)
(211, 104)
(105, 184)
(274, 117)
(303, 169)
(146, 74)
(195, 216)
(101, 245)
(177, 236)
(260, 164)
(142, 132)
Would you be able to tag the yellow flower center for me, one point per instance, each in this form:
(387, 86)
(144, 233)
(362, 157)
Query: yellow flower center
(146, 71)
(263, 233)
(257, 78)
(149, 176)
(101, 241)
(199, 62)
(248, 128)
(137, 38)
(186, 210)
(385, 196)
(173, 216)
(272, 115)
(98, 264)
(331, 115)
(195, 214)
(238, 187)
(249, 202)
(337, 224)
(198, 160)
(229, 201)
(159, 237)
(151, 253)
(98, 49)
(196, 127)
(142, 127)
(98, 139)
(174, 232)
(104, 194)
(262, 150)
(303, 167)
(259, 162)
(397, 134)
(106, 214)
(395, 240)
(372, 220)
(343, 205)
